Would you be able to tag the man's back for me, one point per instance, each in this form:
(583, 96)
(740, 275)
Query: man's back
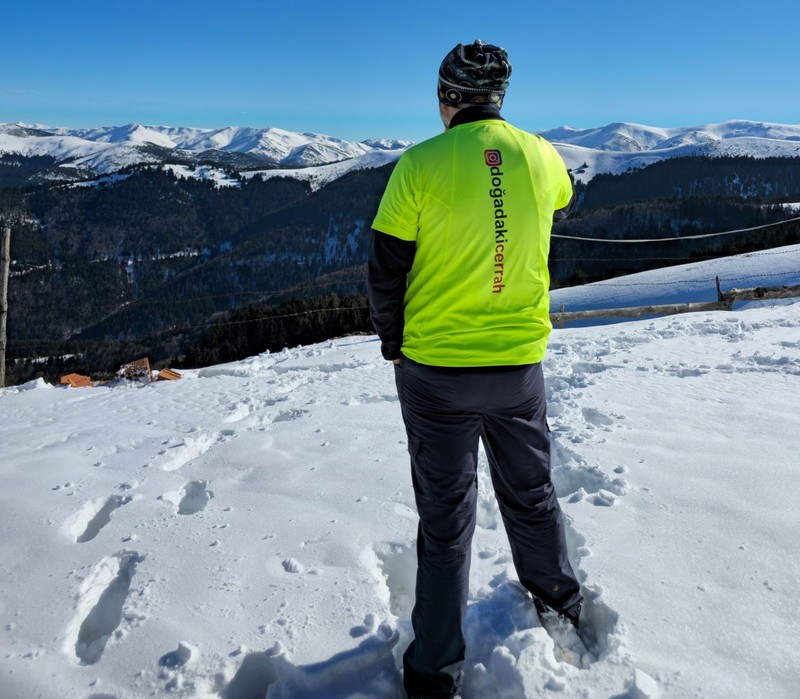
(478, 202)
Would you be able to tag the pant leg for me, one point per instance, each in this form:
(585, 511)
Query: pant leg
(443, 446)
(516, 438)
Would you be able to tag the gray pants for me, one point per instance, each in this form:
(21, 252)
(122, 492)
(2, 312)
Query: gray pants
(446, 411)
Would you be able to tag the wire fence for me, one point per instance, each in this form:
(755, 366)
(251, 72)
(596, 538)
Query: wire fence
(680, 237)
(305, 288)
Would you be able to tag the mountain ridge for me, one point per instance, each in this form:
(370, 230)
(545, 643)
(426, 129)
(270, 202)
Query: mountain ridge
(107, 149)
(85, 154)
(618, 147)
(640, 137)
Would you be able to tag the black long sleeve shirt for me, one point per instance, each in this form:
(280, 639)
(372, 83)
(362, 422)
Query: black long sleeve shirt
(390, 261)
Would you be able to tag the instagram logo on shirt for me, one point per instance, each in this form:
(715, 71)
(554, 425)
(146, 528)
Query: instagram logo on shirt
(493, 158)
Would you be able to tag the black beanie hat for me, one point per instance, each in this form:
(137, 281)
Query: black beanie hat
(474, 73)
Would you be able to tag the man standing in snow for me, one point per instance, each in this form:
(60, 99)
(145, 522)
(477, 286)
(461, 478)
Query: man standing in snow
(458, 285)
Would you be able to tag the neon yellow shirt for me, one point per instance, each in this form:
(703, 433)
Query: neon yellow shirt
(478, 201)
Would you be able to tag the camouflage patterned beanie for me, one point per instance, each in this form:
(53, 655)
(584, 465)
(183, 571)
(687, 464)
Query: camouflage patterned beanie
(474, 73)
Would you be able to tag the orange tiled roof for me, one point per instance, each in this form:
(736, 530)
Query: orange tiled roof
(76, 380)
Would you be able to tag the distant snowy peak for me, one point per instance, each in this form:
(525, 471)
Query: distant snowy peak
(614, 137)
(387, 144)
(23, 130)
(616, 148)
(632, 138)
(130, 134)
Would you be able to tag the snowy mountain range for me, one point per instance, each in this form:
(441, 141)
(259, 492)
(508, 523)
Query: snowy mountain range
(614, 148)
(107, 149)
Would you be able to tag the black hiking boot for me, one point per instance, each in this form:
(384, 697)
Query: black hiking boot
(572, 615)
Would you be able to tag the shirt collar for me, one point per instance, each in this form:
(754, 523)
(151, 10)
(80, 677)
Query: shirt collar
(478, 112)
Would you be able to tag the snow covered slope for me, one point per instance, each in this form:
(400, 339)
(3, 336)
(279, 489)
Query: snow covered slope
(249, 528)
(618, 147)
(687, 283)
(321, 175)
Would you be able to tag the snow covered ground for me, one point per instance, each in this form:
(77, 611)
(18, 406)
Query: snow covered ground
(249, 528)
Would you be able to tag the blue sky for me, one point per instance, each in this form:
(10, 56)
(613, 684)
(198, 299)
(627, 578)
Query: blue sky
(361, 69)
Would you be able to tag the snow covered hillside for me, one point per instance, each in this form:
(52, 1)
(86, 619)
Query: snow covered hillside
(321, 175)
(249, 528)
(616, 148)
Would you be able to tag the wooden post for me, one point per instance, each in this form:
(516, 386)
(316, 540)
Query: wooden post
(5, 262)
(727, 304)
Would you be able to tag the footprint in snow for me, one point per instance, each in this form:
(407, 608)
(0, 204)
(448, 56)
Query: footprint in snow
(368, 670)
(590, 367)
(576, 480)
(683, 371)
(184, 654)
(369, 398)
(89, 521)
(101, 599)
(340, 366)
(196, 496)
(398, 568)
(292, 565)
(596, 418)
(184, 450)
(189, 500)
(370, 623)
(240, 410)
(289, 415)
